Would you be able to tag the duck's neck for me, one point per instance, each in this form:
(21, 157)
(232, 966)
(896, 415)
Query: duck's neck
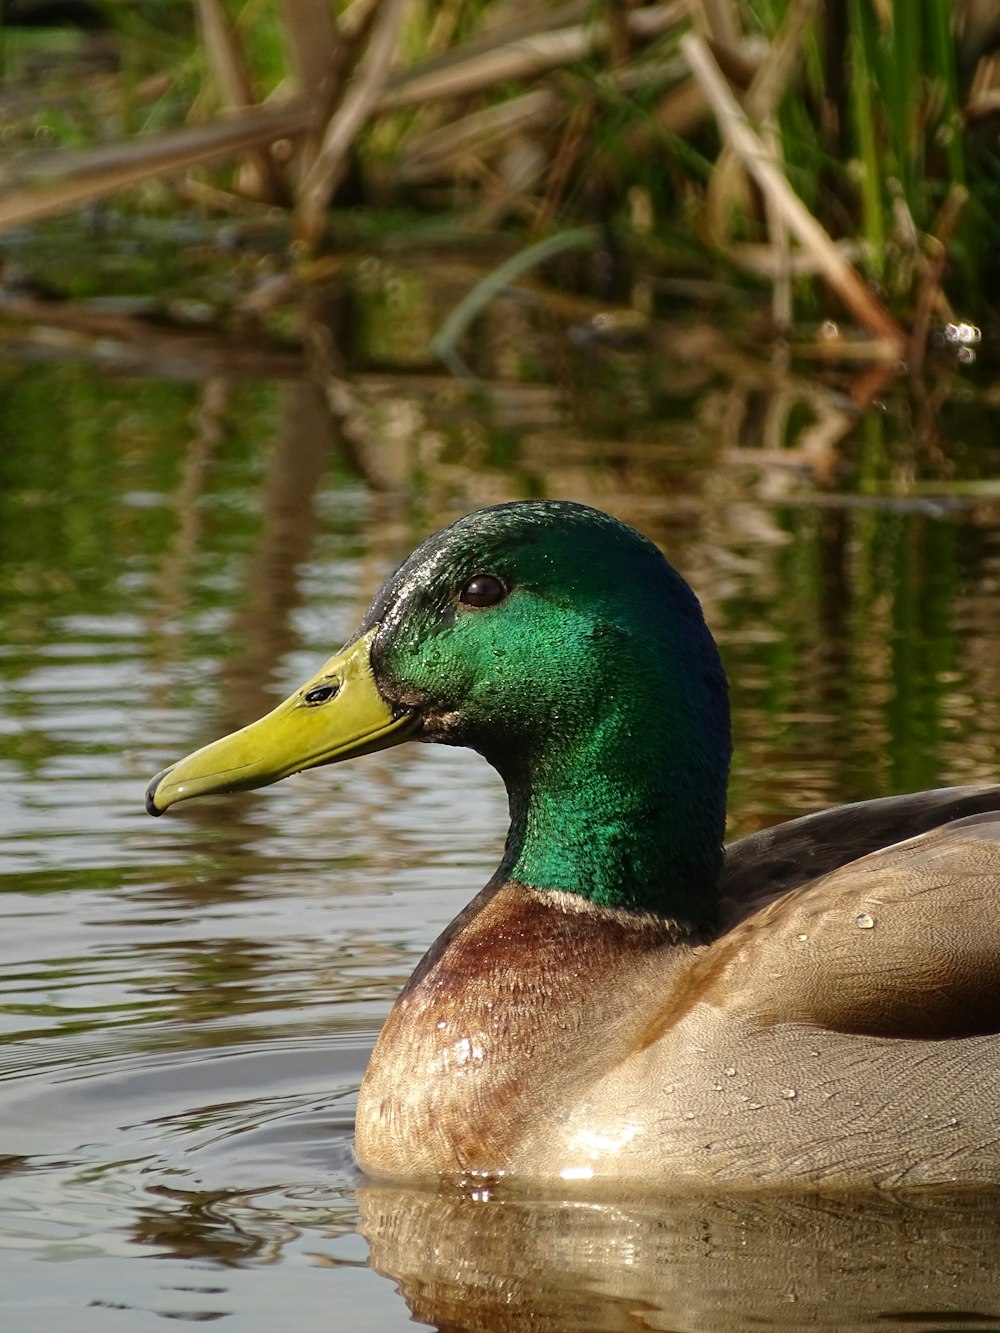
(627, 815)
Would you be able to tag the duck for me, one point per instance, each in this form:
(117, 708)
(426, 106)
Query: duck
(629, 1002)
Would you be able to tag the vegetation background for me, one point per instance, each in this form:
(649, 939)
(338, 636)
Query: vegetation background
(840, 158)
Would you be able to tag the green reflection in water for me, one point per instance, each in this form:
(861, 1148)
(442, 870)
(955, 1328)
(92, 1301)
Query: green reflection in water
(173, 556)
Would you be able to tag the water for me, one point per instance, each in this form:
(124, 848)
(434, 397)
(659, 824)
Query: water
(187, 1005)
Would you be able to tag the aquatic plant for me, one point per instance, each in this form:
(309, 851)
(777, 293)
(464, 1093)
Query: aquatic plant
(845, 148)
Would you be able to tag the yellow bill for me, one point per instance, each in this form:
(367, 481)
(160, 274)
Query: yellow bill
(337, 714)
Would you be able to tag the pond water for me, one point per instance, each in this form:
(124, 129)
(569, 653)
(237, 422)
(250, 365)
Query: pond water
(187, 1005)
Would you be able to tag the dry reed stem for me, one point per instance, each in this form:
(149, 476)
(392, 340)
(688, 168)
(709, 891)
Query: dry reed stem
(566, 155)
(831, 265)
(760, 103)
(45, 183)
(525, 58)
(434, 151)
(358, 103)
(546, 17)
(316, 57)
(680, 111)
(873, 381)
(227, 62)
(443, 28)
(38, 185)
(761, 260)
(444, 147)
(312, 37)
(225, 55)
(772, 77)
(212, 198)
(357, 18)
(718, 20)
(620, 39)
(60, 327)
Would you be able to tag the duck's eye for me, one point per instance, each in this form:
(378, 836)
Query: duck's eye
(320, 693)
(483, 590)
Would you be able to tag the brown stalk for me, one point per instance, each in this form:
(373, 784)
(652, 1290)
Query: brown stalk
(138, 344)
(443, 28)
(760, 259)
(356, 19)
(679, 111)
(444, 148)
(359, 101)
(577, 126)
(717, 20)
(227, 61)
(620, 43)
(525, 58)
(313, 42)
(312, 37)
(225, 54)
(542, 18)
(837, 272)
(40, 184)
(760, 103)
(873, 381)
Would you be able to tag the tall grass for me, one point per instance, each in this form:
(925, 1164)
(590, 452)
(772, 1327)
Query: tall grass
(877, 121)
(571, 112)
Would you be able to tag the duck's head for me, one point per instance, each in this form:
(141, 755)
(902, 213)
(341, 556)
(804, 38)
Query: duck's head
(558, 643)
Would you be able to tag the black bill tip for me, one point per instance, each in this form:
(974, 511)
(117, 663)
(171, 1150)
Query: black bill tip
(151, 806)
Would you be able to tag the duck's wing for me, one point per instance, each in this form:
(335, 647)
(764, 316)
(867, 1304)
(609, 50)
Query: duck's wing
(767, 864)
(904, 942)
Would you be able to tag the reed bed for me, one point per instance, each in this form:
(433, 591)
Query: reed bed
(842, 155)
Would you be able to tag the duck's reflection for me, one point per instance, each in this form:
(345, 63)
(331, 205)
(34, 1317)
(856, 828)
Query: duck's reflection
(467, 1261)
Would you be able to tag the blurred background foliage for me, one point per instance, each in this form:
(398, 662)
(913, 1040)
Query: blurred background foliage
(879, 121)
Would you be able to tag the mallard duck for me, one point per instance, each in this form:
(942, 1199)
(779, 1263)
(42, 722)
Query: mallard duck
(625, 1000)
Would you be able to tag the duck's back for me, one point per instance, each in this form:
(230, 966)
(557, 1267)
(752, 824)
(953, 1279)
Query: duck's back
(902, 943)
(843, 1033)
(774, 860)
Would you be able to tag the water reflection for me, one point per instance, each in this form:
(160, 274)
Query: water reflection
(186, 1006)
(737, 1264)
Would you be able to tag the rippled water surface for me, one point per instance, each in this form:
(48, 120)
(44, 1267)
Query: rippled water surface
(187, 1005)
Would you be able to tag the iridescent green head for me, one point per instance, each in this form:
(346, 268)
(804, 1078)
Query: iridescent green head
(560, 644)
